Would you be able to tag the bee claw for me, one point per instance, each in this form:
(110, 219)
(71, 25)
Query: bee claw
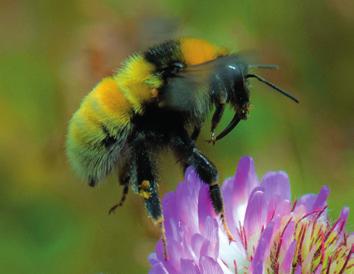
(212, 139)
(113, 209)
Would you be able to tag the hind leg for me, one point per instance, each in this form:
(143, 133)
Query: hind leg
(146, 184)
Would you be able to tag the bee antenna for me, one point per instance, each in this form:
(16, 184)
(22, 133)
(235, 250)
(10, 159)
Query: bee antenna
(261, 79)
(264, 66)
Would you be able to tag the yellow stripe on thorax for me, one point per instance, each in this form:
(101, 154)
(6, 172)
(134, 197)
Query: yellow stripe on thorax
(137, 81)
(197, 51)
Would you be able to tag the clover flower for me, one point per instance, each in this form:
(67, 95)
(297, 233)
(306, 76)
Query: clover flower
(271, 234)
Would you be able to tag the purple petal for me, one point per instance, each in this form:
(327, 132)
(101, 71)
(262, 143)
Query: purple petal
(195, 183)
(209, 266)
(205, 250)
(257, 269)
(312, 202)
(236, 191)
(255, 214)
(262, 250)
(189, 204)
(306, 202)
(287, 238)
(211, 234)
(196, 244)
(286, 265)
(338, 226)
(205, 208)
(152, 258)
(168, 265)
(318, 269)
(321, 199)
(159, 250)
(298, 269)
(158, 269)
(277, 194)
(169, 205)
(245, 177)
(230, 203)
(176, 251)
(276, 184)
(191, 177)
(343, 218)
(189, 267)
(283, 208)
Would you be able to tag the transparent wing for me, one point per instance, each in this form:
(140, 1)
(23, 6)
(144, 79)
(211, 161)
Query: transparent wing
(192, 88)
(188, 89)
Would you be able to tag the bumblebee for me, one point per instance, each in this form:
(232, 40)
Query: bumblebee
(157, 99)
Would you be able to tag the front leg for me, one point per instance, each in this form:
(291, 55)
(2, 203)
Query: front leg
(186, 151)
(195, 133)
(219, 111)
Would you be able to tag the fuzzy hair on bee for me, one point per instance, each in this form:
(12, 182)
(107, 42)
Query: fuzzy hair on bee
(160, 98)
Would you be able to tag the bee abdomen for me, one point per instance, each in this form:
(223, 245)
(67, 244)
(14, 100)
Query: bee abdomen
(98, 131)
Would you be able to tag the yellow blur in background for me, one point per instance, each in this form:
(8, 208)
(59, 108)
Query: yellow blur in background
(53, 52)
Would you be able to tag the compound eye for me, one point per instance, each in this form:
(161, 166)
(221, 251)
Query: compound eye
(176, 67)
(172, 69)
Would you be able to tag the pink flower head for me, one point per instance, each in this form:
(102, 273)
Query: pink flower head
(272, 234)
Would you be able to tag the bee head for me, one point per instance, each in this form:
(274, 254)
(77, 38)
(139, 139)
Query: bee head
(240, 91)
(233, 73)
(240, 94)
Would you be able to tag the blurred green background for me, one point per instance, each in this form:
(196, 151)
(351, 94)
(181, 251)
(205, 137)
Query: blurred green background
(53, 52)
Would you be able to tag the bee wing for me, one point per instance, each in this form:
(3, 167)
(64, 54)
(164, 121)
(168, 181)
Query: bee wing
(192, 87)
(190, 90)
(186, 91)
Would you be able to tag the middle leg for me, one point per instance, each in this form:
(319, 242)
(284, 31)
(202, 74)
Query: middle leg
(122, 199)
(127, 175)
(186, 151)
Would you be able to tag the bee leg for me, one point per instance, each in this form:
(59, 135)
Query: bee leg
(219, 111)
(127, 174)
(191, 156)
(195, 133)
(122, 199)
(147, 187)
(149, 191)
